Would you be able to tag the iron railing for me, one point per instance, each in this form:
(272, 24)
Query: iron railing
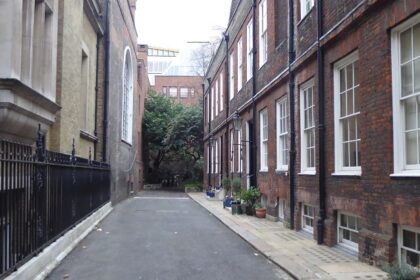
(42, 195)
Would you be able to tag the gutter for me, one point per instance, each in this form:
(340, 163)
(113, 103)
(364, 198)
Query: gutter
(253, 179)
(209, 144)
(321, 129)
(106, 95)
(292, 151)
(96, 96)
(227, 101)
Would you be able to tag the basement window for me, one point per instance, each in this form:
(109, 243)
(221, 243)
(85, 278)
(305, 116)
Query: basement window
(409, 246)
(308, 217)
(348, 227)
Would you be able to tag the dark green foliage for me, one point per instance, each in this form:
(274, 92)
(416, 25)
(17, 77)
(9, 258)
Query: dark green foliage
(403, 272)
(173, 136)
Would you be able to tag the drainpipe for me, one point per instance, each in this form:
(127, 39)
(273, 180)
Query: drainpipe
(209, 144)
(292, 152)
(253, 137)
(107, 46)
(227, 99)
(98, 37)
(321, 129)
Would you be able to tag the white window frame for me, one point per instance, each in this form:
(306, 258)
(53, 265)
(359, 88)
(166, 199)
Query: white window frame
(212, 103)
(222, 96)
(402, 247)
(344, 242)
(239, 52)
(216, 101)
(305, 7)
(263, 42)
(249, 49)
(183, 90)
(127, 98)
(303, 160)
(263, 141)
(170, 92)
(282, 123)
(232, 151)
(305, 227)
(240, 150)
(401, 169)
(231, 77)
(340, 169)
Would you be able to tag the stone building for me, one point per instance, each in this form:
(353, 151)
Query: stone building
(315, 103)
(183, 89)
(80, 70)
(28, 44)
(122, 99)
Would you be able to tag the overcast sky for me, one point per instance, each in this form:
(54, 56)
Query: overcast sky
(171, 23)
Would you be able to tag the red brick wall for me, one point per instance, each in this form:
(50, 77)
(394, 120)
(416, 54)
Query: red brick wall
(179, 82)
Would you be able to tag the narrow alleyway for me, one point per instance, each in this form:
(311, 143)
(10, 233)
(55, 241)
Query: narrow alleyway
(162, 235)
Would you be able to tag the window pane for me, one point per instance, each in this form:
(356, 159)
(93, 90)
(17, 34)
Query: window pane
(352, 128)
(406, 79)
(409, 239)
(345, 129)
(343, 220)
(412, 258)
(417, 75)
(356, 100)
(342, 80)
(346, 161)
(353, 151)
(410, 113)
(416, 38)
(352, 222)
(406, 45)
(346, 234)
(356, 74)
(343, 104)
(350, 109)
(411, 147)
(349, 71)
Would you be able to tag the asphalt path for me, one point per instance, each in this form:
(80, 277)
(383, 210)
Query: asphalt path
(164, 236)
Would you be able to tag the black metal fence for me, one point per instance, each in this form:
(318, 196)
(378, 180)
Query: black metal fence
(42, 195)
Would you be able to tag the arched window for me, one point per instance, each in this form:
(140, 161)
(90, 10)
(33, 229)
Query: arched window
(127, 98)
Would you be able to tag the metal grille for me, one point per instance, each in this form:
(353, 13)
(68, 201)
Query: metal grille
(42, 195)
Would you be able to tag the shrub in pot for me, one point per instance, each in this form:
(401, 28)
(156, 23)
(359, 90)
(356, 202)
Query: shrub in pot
(250, 197)
(226, 183)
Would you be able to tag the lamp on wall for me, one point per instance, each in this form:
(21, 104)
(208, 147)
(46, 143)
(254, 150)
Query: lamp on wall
(237, 121)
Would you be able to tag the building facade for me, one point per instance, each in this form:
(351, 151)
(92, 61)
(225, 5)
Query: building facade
(122, 99)
(323, 95)
(159, 60)
(28, 68)
(80, 78)
(183, 89)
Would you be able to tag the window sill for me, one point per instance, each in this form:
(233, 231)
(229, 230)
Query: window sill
(262, 65)
(264, 170)
(87, 136)
(405, 174)
(126, 142)
(282, 171)
(310, 172)
(353, 173)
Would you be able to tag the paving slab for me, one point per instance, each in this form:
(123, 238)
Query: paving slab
(295, 252)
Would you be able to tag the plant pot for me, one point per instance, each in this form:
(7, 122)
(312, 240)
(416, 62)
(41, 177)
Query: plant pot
(236, 208)
(260, 212)
(249, 210)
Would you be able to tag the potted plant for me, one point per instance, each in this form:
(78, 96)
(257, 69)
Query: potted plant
(260, 211)
(226, 183)
(250, 197)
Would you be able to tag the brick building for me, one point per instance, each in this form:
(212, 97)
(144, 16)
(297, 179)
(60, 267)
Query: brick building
(183, 89)
(123, 101)
(323, 95)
